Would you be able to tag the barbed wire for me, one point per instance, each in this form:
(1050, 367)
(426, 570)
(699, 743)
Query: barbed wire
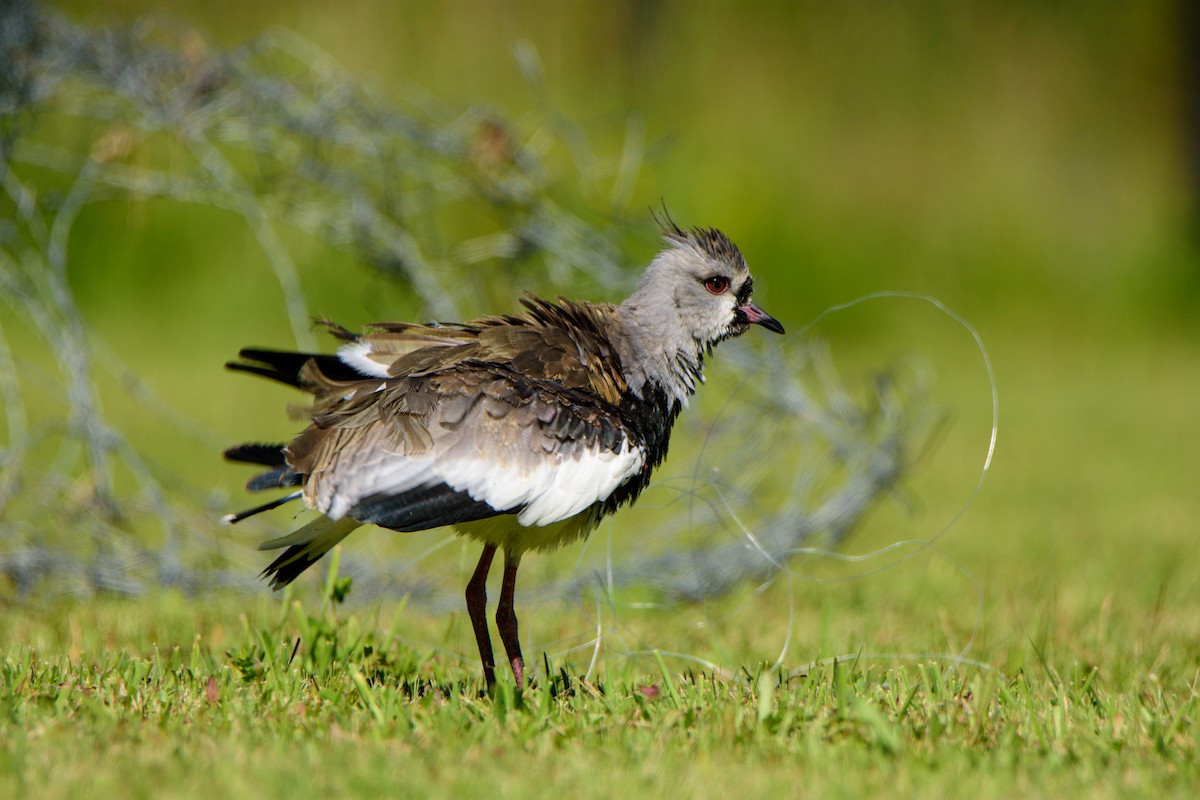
(276, 132)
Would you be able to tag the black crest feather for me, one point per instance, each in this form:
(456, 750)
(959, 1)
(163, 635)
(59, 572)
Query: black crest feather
(709, 240)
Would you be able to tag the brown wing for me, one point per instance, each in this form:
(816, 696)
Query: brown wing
(414, 426)
(568, 343)
(462, 443)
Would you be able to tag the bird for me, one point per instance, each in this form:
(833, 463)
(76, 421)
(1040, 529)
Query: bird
(521, 431)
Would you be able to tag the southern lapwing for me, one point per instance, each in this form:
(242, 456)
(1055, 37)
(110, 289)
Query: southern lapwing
(522, 432)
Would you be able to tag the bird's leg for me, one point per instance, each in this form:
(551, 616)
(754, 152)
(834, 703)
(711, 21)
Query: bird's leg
(477, 611)
(506, 618)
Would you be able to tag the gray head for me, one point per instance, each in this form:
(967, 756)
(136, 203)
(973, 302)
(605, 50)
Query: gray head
(695, 293)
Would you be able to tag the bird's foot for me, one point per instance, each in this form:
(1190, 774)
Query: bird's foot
(518, 668)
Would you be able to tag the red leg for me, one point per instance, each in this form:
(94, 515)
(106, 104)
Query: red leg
(506, 618)
(477, 611)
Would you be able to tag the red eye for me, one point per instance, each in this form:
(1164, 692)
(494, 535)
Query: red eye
(717, 284)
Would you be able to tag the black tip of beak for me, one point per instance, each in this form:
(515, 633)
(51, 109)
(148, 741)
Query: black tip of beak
(772, 324)
(756, 316)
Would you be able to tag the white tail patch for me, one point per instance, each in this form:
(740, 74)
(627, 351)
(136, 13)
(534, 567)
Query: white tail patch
(358, 355)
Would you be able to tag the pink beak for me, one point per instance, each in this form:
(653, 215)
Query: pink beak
(756, 316)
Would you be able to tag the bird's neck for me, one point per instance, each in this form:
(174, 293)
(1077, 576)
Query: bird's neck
(656, 353)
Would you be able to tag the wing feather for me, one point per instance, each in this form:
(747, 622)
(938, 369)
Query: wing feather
(519, 447)
(416, 425)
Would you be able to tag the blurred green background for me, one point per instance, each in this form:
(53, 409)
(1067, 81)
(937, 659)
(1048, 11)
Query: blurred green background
(1027, 163)
(1009, 157)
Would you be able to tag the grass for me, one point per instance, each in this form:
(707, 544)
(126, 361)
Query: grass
(107, 712)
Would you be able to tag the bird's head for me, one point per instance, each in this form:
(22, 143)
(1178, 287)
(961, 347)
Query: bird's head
(698, 291)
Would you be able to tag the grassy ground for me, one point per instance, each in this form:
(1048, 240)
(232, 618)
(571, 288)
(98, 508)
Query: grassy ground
(169, 699)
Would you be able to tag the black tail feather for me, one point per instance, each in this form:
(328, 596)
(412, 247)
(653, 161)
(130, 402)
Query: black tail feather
(263, 372)
(233, 519)
(284, 366)
(278, 478)
(269, 455)
(304, 548)
(288, 566)
(278, 365)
